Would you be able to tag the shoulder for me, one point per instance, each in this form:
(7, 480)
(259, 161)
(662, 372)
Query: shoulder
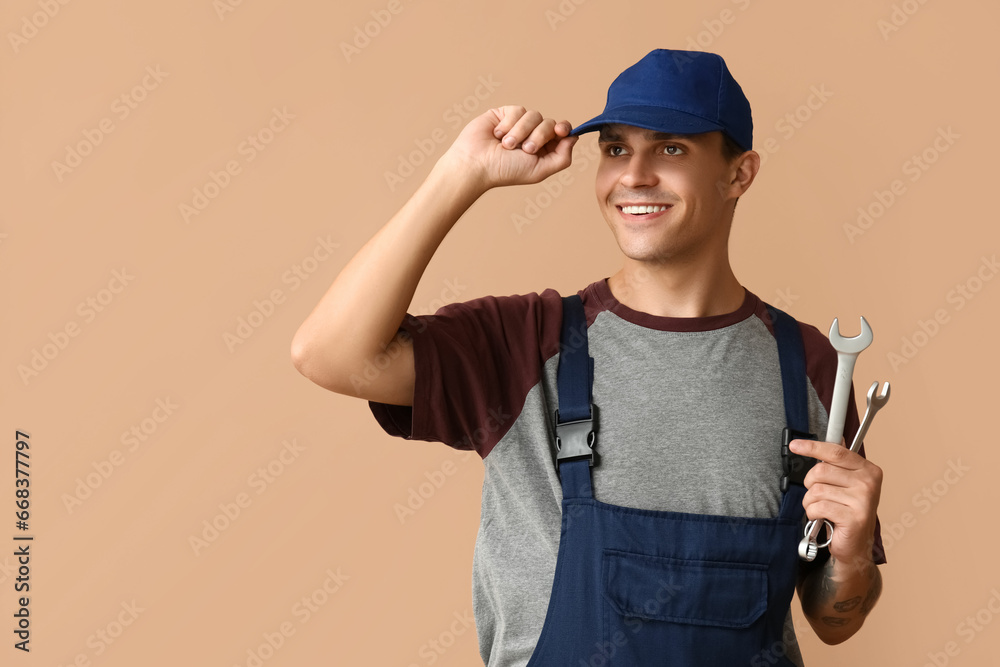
(819, 351)
(540, 310)
(820, 357)
(514, 307)
(524, 327)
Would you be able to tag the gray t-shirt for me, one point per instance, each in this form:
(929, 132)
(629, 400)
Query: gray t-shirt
(690, 417)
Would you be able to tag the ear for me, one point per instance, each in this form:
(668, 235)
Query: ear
(745, 169)
(740, 175)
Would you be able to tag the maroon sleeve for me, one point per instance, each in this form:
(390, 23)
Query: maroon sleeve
(475, 363)
(821, 367)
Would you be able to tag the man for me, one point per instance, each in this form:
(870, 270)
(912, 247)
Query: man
(663, 536)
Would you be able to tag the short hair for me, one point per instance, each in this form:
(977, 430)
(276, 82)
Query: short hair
(730, 149)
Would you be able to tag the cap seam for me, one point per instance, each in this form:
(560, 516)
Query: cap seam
(722, 83)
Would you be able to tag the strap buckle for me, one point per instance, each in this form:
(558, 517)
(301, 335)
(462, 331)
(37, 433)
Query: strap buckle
(794, 466)
(575, 439)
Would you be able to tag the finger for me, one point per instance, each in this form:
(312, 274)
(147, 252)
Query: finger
(835, 494)
(563, 128)
(522, 128)
(557, 158)
(834, 512)
(564, 125)
(829, 452)
(508, 116)
(825, 473)
(540, 136)
(564, 150)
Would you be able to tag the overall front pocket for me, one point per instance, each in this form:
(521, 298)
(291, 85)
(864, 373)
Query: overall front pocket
(669, 611)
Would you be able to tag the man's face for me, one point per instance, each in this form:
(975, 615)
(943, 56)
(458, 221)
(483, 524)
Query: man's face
(683, 176)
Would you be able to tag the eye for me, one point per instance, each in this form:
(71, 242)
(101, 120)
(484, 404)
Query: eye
(672, 149)
(610, 150)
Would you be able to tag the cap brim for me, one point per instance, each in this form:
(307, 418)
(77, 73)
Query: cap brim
(649, 118)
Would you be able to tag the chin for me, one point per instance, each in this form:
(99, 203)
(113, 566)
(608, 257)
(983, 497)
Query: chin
(643, 252)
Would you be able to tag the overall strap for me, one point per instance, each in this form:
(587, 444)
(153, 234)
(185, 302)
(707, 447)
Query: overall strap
(792, 359)
(574, 419)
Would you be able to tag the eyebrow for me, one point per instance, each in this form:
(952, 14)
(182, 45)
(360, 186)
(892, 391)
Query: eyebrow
(609, 134)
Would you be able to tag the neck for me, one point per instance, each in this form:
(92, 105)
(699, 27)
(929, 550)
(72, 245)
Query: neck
(670, 290)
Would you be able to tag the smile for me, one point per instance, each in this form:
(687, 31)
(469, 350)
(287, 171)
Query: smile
(635, 210)
(645, 211)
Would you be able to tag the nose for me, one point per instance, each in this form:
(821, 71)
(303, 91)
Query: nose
(638, 172)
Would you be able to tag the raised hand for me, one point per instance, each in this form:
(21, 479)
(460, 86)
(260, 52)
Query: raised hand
(511, 145)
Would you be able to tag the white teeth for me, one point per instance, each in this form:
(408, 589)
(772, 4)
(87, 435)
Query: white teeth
(639, 210)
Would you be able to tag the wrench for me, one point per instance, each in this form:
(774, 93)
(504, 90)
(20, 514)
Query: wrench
(848, 350)
(809, 547)
(875, 403)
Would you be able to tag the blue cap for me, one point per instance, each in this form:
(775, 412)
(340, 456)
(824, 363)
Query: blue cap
(681, 92)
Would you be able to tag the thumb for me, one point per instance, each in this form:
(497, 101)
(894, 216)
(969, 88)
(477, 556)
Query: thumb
(562, 155)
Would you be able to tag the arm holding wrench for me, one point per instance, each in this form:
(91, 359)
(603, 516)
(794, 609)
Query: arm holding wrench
(843, 487)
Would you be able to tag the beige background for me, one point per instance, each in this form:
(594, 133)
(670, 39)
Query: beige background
(402, 587)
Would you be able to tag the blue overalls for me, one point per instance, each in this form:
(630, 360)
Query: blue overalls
(636, 587)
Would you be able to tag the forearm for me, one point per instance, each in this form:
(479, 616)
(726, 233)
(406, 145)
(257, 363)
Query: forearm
(361, 311)
(837, 597)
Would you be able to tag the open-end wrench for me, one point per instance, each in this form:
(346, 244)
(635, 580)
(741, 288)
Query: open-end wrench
(848, 350)
(809, 547)
(875, 403)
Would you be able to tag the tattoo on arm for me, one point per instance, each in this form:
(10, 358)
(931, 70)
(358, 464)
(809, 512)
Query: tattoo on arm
(872, 597)
(847, 605)
(822, 594)
(822, 590)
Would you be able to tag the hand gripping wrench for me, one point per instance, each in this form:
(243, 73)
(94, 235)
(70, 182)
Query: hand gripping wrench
(809, 547)
(848, 350)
